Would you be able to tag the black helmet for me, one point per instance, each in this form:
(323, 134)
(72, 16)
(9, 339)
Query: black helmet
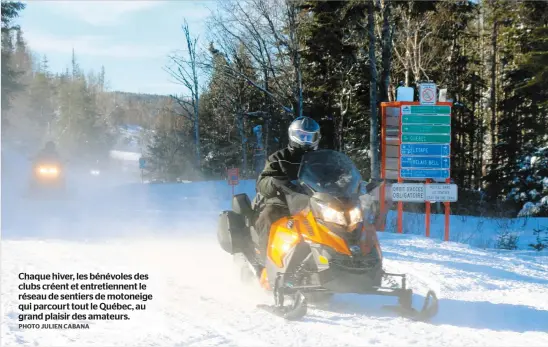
(304, 133)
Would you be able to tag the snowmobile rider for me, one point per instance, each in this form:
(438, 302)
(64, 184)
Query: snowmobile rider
(49, 152)
(281, 168)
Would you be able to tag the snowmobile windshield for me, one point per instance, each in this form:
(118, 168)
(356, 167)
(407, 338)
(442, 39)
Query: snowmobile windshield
(331, 172)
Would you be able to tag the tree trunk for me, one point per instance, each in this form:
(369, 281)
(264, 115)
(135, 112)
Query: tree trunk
(386, 50)
(472, 135)
(481, 135)
(268, 110)
(292, 16)
(407, 64)
(494, 92)
(374, 130)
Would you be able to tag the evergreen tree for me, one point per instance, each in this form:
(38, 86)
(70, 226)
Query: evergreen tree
(10, 74)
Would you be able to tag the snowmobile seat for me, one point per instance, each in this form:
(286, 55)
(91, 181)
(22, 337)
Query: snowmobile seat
(242, 206)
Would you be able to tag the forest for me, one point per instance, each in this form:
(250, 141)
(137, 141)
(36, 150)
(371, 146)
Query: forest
(265, 62)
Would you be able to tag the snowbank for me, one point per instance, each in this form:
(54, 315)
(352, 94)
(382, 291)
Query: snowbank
(167, 231)
(476, 231)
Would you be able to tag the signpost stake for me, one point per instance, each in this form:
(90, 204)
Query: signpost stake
(400, 217)
(142, 165)
(447, 216)
(382, 190)
(427, 213)
(233, 177)
(400, 180)
(381, 225)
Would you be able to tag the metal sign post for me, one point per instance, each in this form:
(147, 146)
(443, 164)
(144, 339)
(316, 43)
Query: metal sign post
(142, 165)
(233, 178)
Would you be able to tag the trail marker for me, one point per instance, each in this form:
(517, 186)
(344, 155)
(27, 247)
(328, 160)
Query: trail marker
(233, 177)
(416, 146)
(425, 132)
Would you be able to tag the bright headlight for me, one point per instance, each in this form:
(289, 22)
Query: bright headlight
(48, 170)
(355, 215)
(331, 215)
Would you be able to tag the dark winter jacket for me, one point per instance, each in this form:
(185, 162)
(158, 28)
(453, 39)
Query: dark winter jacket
(281, 168)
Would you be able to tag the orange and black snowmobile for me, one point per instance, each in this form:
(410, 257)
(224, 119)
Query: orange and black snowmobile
(327, 245)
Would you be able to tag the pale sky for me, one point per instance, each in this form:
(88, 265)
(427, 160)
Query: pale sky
(132, 39)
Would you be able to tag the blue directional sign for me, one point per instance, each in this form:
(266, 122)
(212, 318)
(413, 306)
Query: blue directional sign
(142, 163)
(425, 162)
(425, 146)
(421, 173)
(424, 149)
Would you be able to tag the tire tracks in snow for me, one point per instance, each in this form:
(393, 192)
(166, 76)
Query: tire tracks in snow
(316, 329)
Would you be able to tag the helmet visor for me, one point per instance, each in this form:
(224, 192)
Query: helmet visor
(304, 137)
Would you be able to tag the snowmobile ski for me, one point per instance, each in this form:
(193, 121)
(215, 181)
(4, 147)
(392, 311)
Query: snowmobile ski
(291, 313)
(405, 309)
(296, 311)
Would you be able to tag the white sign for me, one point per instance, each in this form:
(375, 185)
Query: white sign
(441, 192)
(408, 192)
(427, 93)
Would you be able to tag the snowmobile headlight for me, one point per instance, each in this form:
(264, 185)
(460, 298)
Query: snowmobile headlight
(48, 170)
(355, 216)
(330, 215)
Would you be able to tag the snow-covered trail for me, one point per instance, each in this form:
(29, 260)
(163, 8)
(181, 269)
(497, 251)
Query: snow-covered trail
(168, 232)
(198, 300)
(485, 298)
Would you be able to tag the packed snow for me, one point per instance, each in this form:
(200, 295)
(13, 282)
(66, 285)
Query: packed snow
(168, 231)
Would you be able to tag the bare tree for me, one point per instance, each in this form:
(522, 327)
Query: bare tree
(268, 32)
(185, 72)
(409, 48)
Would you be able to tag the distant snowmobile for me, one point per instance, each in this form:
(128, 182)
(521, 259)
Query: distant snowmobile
(47, 179)
(95, 169)
(326, 246)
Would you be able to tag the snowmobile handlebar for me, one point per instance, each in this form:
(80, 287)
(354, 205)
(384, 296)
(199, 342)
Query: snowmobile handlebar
(292, 187)
(373, 183)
